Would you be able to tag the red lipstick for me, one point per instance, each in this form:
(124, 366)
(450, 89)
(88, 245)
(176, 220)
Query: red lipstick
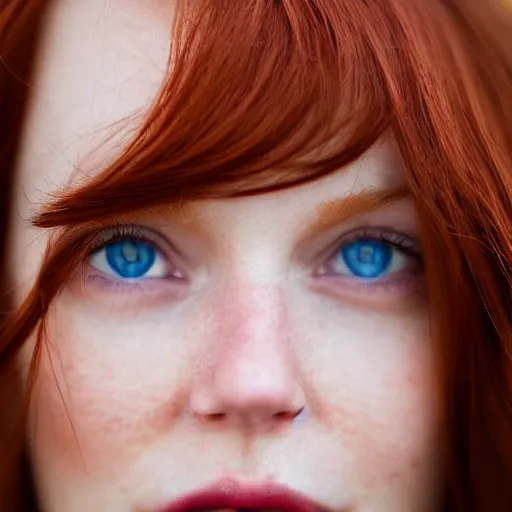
(229, 494)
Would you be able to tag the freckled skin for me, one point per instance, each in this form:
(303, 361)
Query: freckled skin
(254, 370)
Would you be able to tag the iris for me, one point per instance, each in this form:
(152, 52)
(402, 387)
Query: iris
(131, 259)
(367, 259)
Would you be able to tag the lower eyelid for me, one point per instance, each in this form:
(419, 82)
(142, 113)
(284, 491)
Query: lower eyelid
(397, 289)
(96, 278)
(116, 295)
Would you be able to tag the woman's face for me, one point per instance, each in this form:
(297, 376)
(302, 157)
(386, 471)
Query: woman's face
(275, 340)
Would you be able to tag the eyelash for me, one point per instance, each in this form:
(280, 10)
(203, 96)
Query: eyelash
(397, 241)
(119, 233)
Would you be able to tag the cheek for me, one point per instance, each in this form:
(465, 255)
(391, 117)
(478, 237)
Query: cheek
(379, 399)
(400, 433)
(103, 396)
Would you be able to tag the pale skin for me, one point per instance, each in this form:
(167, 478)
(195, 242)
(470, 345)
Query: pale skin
(253, 362)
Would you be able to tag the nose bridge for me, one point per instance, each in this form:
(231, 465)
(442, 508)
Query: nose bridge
(252, 377)
(253, 322)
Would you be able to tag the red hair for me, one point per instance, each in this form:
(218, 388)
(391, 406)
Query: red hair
(254, 89)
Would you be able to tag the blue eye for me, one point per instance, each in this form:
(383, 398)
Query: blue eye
(129, 258)
(368, 259)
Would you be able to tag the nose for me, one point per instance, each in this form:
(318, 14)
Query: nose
(249, 377)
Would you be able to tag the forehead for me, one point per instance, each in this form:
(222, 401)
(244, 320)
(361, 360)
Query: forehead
(100, 64)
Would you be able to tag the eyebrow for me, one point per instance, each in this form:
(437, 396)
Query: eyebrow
(185, 212)
(329, 213)
(336, 211)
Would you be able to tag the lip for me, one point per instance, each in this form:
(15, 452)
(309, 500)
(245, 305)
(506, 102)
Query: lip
(229, 494)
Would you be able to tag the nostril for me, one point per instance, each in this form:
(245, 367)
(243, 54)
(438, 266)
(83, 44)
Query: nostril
(288, 415)
(284, 416)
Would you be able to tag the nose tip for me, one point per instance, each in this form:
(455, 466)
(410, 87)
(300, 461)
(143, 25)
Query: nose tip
(248, 401)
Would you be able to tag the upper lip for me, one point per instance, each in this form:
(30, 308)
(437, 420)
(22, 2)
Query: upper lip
(229, 494)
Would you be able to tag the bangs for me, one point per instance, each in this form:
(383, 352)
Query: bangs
(260, 96)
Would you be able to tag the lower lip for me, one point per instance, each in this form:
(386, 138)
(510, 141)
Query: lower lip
(228, 496)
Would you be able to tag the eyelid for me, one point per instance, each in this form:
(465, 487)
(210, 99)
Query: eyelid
(406, 243)
(117, 232)
(399, 240)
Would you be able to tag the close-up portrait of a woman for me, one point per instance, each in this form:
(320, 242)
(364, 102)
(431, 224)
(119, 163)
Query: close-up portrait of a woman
(255, 256)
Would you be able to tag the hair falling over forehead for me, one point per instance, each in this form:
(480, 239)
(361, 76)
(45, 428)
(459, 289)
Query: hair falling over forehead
(267, 94)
